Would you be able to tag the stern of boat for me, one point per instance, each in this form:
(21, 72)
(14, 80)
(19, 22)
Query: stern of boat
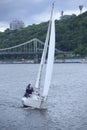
(34, 101)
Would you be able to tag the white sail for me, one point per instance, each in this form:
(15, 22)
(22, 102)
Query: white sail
(37, 85)
(50, 60)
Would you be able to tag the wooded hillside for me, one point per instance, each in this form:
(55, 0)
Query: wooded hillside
(71, 34)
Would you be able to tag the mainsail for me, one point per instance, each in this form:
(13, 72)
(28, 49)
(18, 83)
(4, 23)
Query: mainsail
(50, 60)
(37, 85)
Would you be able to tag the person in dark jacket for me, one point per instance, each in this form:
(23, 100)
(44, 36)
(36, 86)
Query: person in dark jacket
(29, 91)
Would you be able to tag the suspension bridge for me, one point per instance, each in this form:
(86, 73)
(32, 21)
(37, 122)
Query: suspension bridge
(32, 48)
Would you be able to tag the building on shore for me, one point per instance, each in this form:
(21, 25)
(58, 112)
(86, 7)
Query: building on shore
(16, 25)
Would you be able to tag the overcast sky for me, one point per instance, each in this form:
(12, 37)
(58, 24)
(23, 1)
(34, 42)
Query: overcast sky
(35, 11)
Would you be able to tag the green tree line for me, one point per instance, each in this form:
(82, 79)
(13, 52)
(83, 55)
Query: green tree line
(71, 34)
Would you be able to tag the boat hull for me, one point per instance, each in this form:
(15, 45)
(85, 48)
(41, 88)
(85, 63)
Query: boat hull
(34, 101)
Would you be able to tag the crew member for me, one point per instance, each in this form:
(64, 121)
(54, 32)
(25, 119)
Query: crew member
(29, 91)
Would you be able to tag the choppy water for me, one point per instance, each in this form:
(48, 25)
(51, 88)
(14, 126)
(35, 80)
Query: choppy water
(67, 100)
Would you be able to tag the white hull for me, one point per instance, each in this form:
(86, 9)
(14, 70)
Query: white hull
(34, 101)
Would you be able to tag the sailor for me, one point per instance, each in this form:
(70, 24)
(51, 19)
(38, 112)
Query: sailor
(29, 91)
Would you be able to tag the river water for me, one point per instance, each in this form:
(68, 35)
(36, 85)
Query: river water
(67, 99)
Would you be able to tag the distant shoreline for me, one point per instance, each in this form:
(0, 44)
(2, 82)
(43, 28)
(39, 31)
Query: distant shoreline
(32, 62)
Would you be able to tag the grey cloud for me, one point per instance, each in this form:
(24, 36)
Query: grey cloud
(21, 9)
(25, 9)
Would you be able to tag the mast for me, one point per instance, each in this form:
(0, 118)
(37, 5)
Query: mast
(50, 60)
(38, 81)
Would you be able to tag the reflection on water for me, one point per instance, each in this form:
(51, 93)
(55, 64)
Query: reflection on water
(67, 100)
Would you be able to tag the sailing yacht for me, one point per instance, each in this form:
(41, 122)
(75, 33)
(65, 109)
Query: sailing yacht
(39, 100)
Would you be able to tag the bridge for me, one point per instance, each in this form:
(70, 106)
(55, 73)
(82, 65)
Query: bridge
(31, 49)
